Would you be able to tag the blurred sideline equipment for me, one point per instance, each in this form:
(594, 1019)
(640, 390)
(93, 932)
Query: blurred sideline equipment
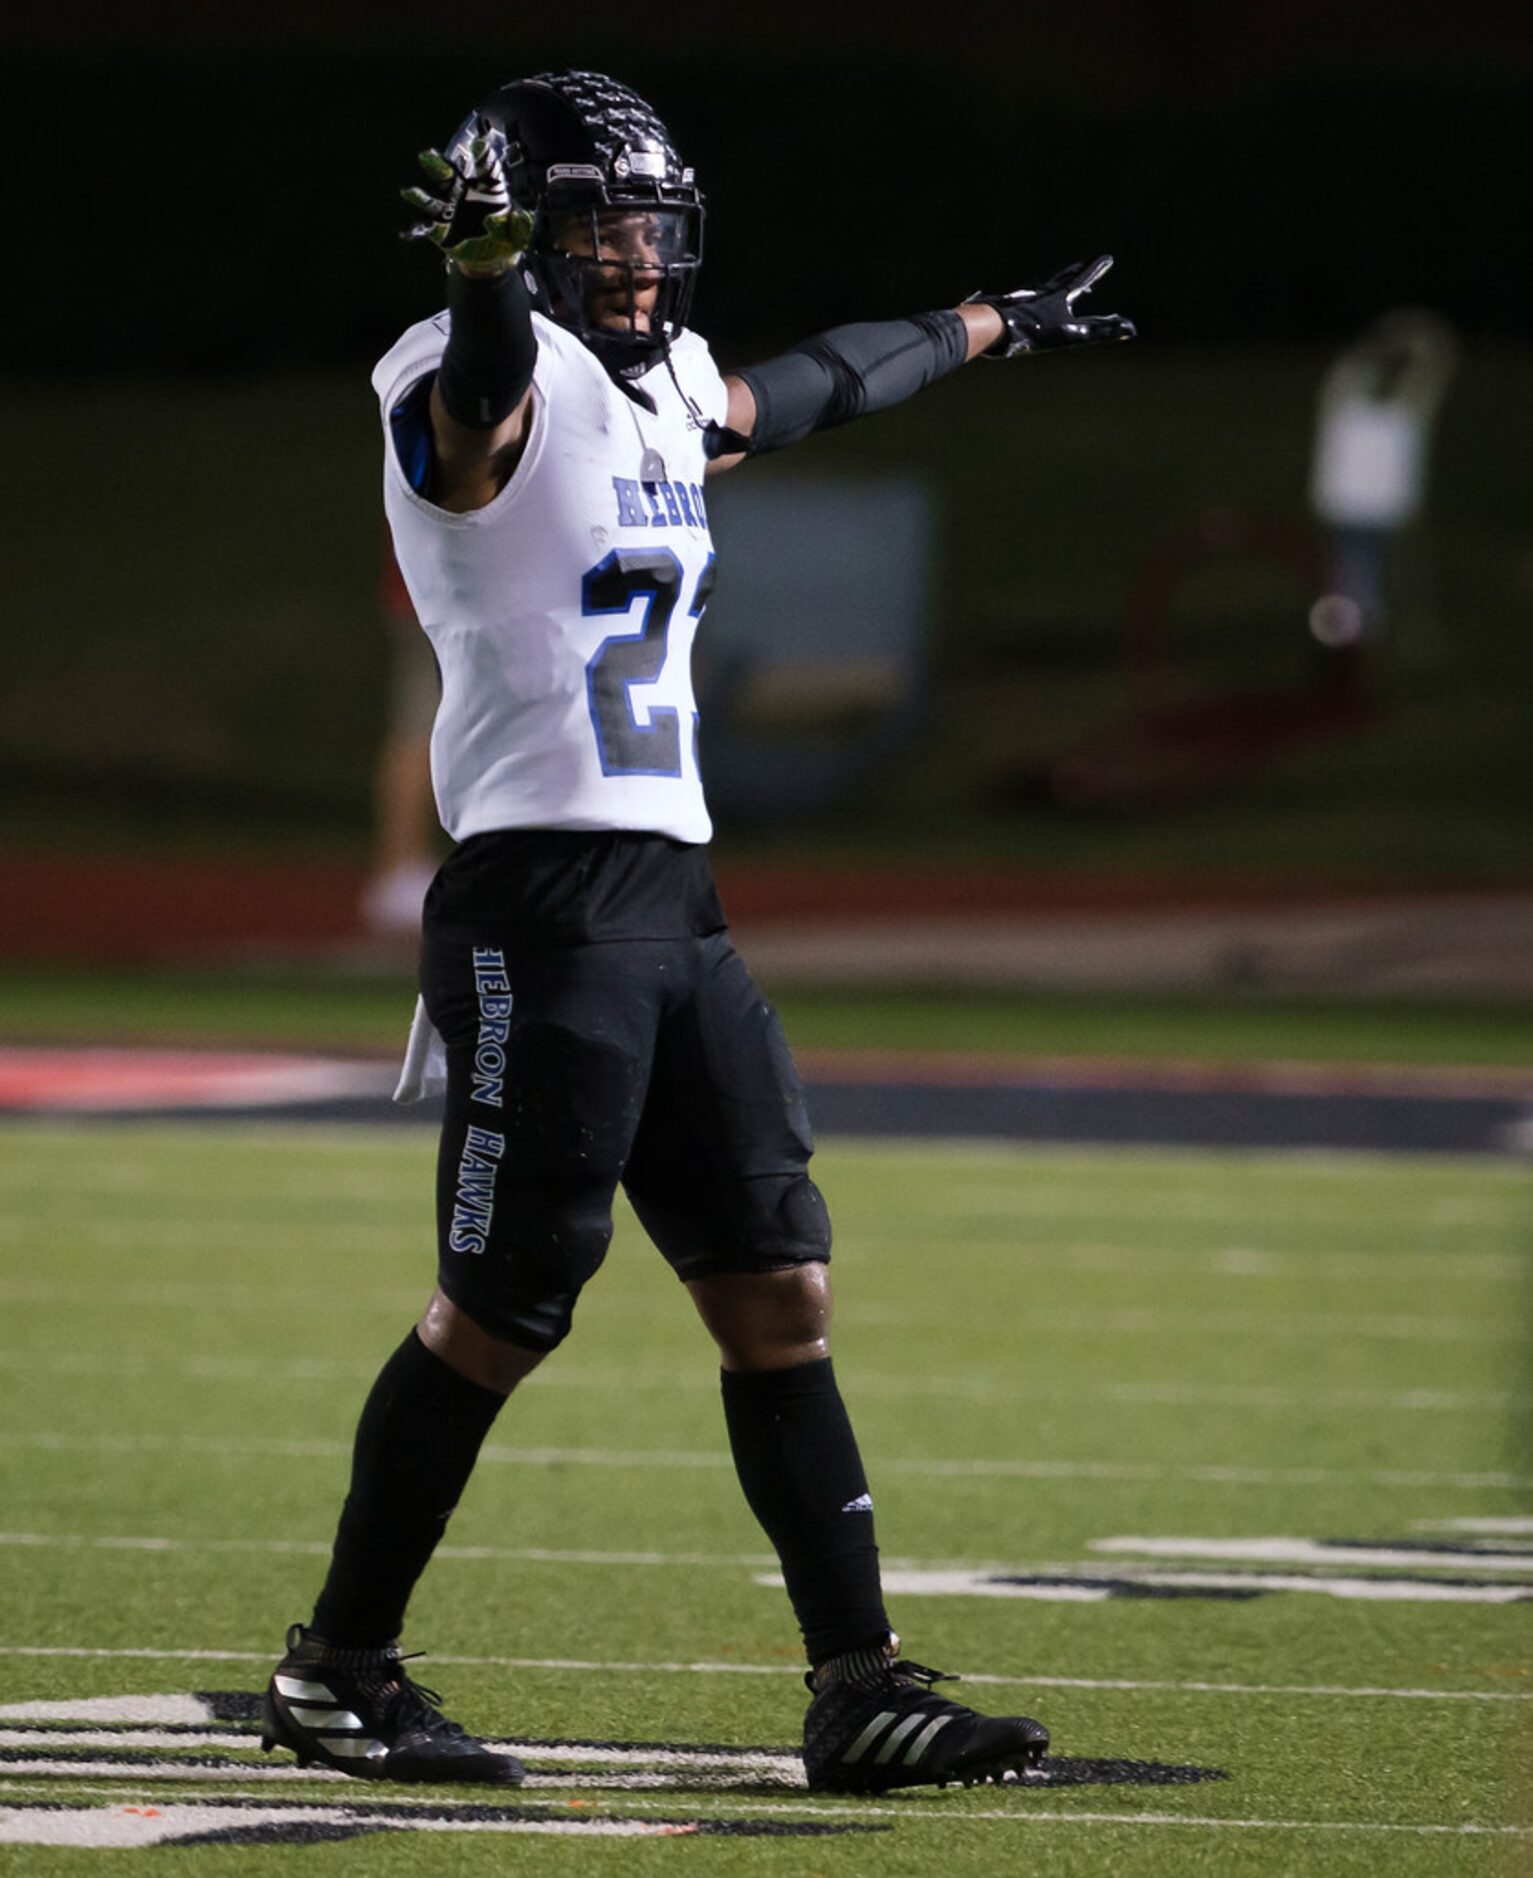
(1378, 405)
(812, 669)
(1187, 732)
(404, 809)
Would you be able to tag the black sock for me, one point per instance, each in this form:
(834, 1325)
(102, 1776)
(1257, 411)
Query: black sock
(798, 1464)
(417, 1441)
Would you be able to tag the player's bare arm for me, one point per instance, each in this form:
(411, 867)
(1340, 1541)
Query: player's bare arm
(855, 370)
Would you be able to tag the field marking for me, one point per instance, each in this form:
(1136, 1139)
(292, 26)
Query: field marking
(266, 1369)
(91, 1827)
(76, 1652)
(628, 1460)
(1280, 1551)
(1312, 1327)
(321, 1548)
(936, 1811)
(983, 1584)
(1046, 1582)
(141, 1710)
(785, 1764)
(1257, 1395)
(1014, 1817)
(614, 1773)
(1509, 1528)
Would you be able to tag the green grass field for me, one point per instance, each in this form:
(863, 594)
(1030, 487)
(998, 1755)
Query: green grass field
(329, 1009)
(1045, 1352)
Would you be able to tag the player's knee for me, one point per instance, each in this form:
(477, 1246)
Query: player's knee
(546, 1246)
(467, 1347)
(551, 1255)
(761, 1223)
(791, 1217)
(767, 1320)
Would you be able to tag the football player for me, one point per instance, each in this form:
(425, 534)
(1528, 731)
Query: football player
(547, 441)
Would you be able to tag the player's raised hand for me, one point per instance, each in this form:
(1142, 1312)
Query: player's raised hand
(467, 210)
(1038, 319)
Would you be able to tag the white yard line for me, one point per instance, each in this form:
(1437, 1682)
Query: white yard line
(585, 1666)
(1027, 1811)
(1257, 1395)
(320, 1548)
(1015, 1816)
(130, 1829)
(1282, 1551)
(628, 1460)
(171, 1770)
(1316, 1326)
(784, 1766)
(1509, 1528)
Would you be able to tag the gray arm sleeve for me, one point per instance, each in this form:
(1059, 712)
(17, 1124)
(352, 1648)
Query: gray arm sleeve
(848, 372)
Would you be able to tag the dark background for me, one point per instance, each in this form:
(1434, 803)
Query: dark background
(223, 175)
(203, 221)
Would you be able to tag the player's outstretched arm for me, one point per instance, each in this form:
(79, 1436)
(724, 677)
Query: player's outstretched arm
(480, 402)
(854, 370)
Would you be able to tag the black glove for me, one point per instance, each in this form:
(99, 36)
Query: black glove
(1037, 319)
(470, 217)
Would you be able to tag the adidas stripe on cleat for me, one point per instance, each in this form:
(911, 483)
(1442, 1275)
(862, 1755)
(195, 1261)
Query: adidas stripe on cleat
(874, 1724)
(359, 1713)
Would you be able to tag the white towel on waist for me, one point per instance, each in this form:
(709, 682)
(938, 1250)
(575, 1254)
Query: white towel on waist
(424, 1071)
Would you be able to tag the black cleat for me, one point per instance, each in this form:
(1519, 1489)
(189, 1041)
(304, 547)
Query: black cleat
(875, 1724)
(358, 1712)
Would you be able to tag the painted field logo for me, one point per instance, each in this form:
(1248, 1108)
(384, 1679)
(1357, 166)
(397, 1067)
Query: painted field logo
(141, 1748)
(1496, 1568)
(142, 1744)
(255, 1822)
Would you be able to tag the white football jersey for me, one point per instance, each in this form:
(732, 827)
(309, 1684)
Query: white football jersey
(563, 613)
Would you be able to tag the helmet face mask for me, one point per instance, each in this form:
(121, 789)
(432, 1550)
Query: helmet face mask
(617, 218)
(620, 277)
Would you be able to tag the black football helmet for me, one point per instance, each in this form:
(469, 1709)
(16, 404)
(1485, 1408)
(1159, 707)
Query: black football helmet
(617, 219)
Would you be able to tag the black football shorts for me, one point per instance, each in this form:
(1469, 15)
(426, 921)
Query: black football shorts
(656, 1063)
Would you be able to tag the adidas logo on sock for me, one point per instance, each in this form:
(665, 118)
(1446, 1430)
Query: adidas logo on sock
(862, 1504)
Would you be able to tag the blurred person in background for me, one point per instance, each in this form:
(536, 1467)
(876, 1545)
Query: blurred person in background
(1378, 405)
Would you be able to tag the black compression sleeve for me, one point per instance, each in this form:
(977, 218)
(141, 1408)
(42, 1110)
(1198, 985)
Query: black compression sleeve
(848, 372)
(490, 349)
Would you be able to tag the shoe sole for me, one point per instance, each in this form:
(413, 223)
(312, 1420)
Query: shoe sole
(999, 1770)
